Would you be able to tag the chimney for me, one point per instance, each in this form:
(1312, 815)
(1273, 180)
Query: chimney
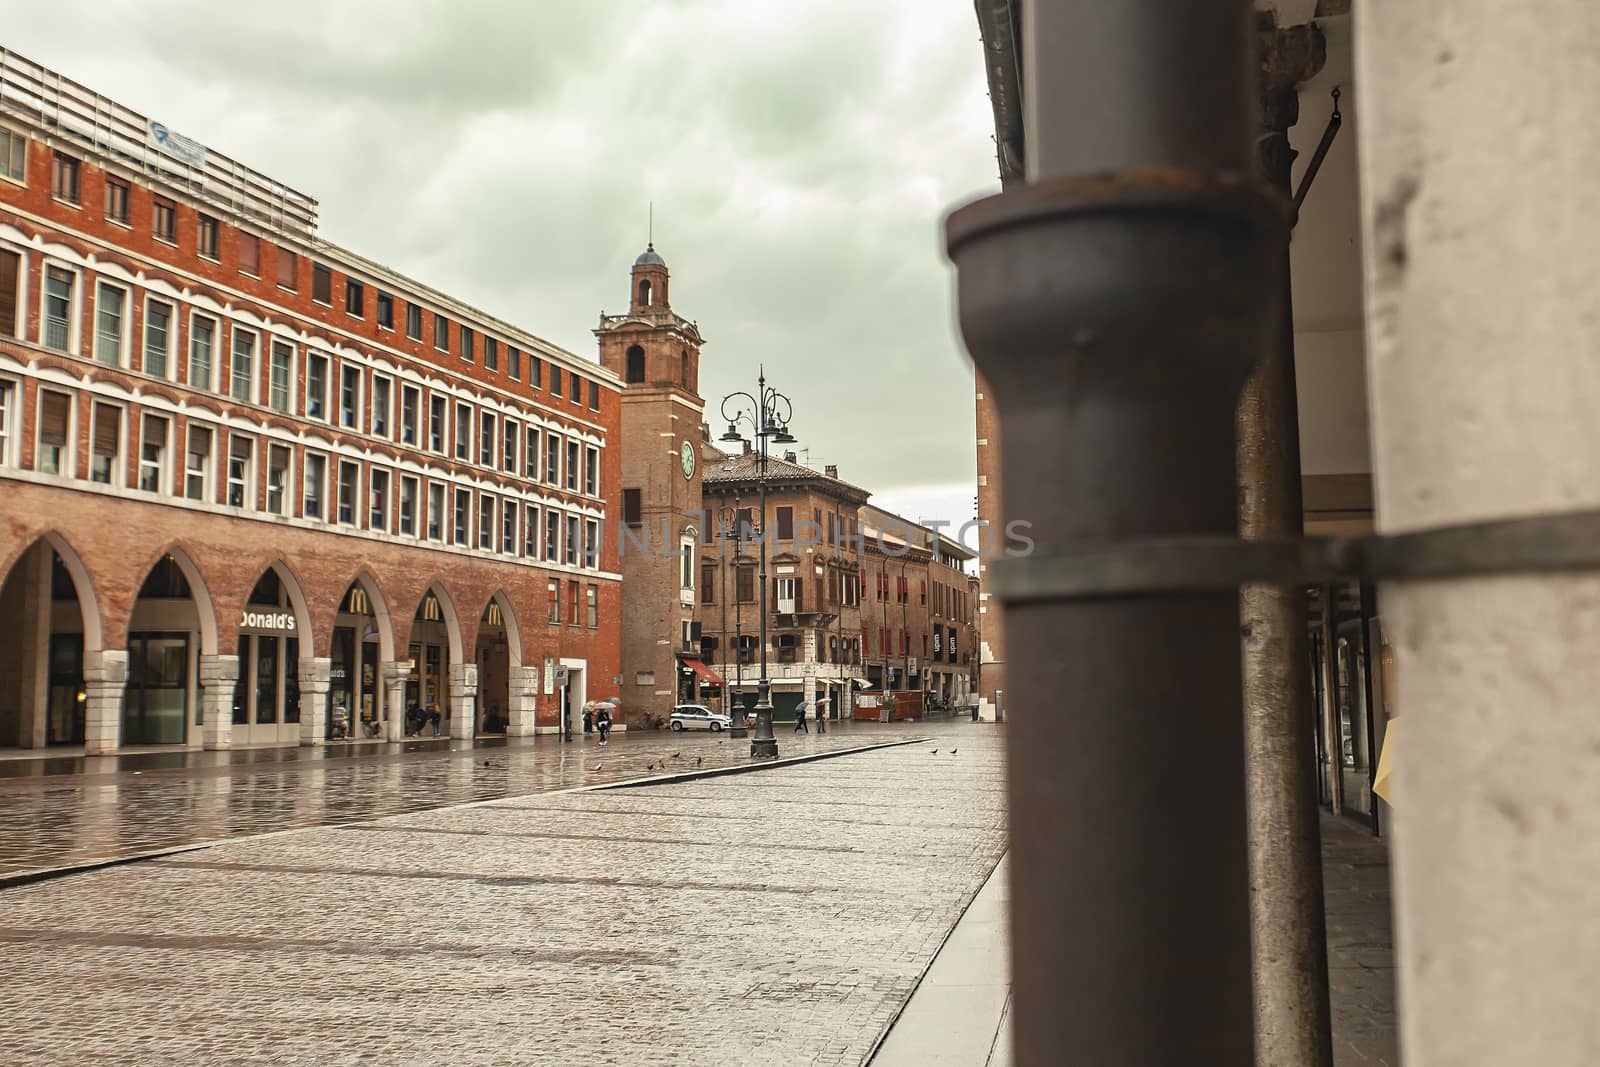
(746, 447)
(831, 470)
(790, 457)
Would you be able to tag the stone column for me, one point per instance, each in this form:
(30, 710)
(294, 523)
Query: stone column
(105, 678)
(33, 573)
(1289, 965)
(524, 700)
(1479, 152)
(395, 676)
(315, 682)
(463, 706)
(218, 674)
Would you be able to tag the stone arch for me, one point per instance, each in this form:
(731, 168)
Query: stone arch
(205, 608)
(508, 614)
(452, 619)
(304, 630)
(645, 295)
(634, 369)
(82, 581)
(381, 614)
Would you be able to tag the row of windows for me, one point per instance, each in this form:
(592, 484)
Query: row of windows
(590, 606)
(242, 471)
(66, 185)
(788, 593)
(336, 392)
(943, 643)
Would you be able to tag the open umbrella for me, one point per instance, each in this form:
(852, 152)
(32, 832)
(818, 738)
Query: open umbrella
(1380, 781)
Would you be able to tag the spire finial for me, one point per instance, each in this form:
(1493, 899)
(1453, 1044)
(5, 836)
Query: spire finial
(652, 230)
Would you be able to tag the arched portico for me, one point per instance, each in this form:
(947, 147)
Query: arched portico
(505, 692)
(274, 639)
(359, 703)
(55, 634)
(427, 691)
(172, 661)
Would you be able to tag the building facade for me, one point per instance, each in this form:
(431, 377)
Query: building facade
(991, 642)
(656, 353)
(260, 490)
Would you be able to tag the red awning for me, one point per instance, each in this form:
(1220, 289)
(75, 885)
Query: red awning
(707, 675)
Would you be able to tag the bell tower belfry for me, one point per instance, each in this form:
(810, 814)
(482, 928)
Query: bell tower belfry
(656, 353)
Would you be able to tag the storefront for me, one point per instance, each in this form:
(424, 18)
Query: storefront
(428, 683)
(160, 700)
(355, 697)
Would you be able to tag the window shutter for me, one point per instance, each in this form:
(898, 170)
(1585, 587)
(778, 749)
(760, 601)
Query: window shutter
(55, 411)
(8, 292)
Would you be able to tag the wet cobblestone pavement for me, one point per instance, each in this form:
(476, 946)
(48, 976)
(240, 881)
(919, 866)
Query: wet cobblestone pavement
(778, 917)
(142, 804)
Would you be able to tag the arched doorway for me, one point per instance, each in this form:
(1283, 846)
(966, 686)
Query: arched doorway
(43, 699)
(362, 644)
(171, 620)
(496, 656)
(428, 685)
(273, 635)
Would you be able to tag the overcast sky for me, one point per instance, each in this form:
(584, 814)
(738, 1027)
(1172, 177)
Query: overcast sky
(801, 157)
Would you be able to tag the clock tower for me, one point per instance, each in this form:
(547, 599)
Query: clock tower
(656, 353)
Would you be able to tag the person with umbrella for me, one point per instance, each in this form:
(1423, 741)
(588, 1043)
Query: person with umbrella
(602, 719)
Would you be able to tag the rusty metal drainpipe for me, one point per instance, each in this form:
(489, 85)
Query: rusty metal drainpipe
(1115, 304)
(1286, 914)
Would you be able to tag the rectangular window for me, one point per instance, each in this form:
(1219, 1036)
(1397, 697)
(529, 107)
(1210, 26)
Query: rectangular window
(552, 536)
(157, 337)
(485, 438)
(511, 454)
(464, 432)
(632, 507)
(117, 200)
(436, 427)
(321, 284)
(555, 380)
(552, 458)
(241, 460)
(288, 269)
(513, 362)
(591, 471)
(278, 479)
(491, 354)
(467, 352)
(410, 413)
(10, 269)
(485, 522)
(202, 351)
(531, 453)
(378, 511)
(435, 511)
(381, 401)
(576, 395)
(206, 243)
(408, 506)
(64, 178)
(708, 583)
(570, 557)
(463, 516)
(530, 531)
(55, 416)
(7, 391)
(552, 599)
(786, 524)
(316, 484)
(745, 585)
(197, 464)
(592, 601)
(355, 298)
(414, 322)
(441, 332)
(244, 365)
(106, 444)
(280, 377)
(385, 310)
(350, 397)
(591, 544)
(508, 528)
(572, 465)
(164, 222)
(349, 486)
(316, 386)
(58, 289)
(110, 303)
(535, 372)
(572, 603)
(152, 453)
(249, 254)
(594, 396)
(13, 155)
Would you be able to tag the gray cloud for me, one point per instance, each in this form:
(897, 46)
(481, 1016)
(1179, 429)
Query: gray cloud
(800, 158)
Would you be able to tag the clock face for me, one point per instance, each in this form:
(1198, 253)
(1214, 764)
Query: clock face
(688, 459)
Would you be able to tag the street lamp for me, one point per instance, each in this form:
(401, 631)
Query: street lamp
(767, 413)
(729, 516)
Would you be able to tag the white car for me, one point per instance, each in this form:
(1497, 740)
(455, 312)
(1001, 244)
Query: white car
(699, 717)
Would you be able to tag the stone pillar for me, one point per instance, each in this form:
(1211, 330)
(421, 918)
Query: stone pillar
(463, 705)
(524, 701)
(218, 674)
(34, 647)
(1479, 151)
(105, 678)
(1289, 965)
(395, 676)
(315, 682)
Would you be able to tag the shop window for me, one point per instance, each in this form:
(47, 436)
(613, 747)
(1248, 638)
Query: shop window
(378, 513)
(381, 405)
(197, 464)
(408, 506)
(110, 314)
(241, 472)
(280, 377)
(485, 522)
(463, 525)
(350, 396)
(153, 453)
(316, 485)
(60, 293)
(316, 386)
(592, 604)
(202, 352)
(349, 486)
(55, 413)
(243, 372)
(591, 471)
(157, 337)
(410, 413)
(106, 444)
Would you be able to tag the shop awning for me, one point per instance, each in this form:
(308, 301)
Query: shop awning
(707, 675)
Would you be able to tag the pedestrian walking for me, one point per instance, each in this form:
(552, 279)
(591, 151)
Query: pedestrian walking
(800, 726)
(341, 723)
(588, 720)
(822, 717)
(434, 719)
(603, 723)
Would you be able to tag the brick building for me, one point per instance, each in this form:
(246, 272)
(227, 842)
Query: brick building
(258, 489)
(991, 637)
(656, 353)
(814, 559)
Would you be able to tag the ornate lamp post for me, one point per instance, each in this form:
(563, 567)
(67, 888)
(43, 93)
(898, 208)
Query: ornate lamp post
(728, 517)
(767, 413)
